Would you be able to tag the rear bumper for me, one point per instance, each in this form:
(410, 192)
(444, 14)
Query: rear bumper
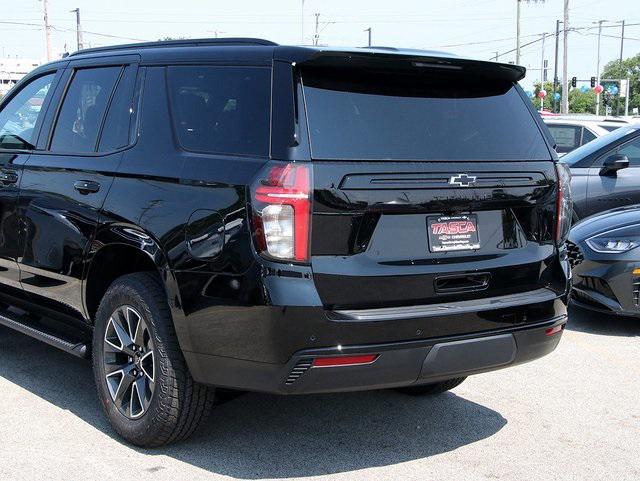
(398, 364)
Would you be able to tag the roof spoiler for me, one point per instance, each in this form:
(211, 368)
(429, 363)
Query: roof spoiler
(401, 59)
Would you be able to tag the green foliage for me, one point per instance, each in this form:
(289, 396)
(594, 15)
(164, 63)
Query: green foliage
(548, 100)
(582, 102)
(630, 68)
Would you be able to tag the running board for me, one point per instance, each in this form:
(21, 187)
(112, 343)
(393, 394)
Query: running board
(33, 329)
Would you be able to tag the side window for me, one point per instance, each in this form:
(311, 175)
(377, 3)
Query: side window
(587, 136)
(83, 109)
(221, 109)
(567, 137)
(115, 133)
(18, 118)
(632, 151)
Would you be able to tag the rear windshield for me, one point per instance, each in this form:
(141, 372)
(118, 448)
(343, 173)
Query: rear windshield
(374, 115)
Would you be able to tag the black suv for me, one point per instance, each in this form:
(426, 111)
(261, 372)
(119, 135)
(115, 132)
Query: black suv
(247, 216)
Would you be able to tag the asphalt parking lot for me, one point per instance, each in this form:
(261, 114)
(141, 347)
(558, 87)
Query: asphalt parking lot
(574, 415)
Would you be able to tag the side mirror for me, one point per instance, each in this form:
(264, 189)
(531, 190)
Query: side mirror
(613, 164)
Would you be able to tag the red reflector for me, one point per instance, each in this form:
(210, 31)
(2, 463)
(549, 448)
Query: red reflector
(344, 360)
(554, 330)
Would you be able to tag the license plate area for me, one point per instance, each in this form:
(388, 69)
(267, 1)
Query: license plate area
(453, 232)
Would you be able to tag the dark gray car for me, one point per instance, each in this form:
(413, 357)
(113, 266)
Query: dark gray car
(606, 172)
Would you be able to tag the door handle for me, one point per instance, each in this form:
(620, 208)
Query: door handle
(8, 177)
(86, 186)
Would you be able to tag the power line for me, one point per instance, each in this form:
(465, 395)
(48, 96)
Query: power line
(63, 29)
(571, 29)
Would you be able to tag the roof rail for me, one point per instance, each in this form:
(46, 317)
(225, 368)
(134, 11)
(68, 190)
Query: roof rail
(196, 42)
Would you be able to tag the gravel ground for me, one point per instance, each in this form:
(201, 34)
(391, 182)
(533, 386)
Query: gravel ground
(574, 414)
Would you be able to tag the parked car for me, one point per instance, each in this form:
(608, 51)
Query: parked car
(571, 132)
(604, 255)
(606, 172)
(232, 213)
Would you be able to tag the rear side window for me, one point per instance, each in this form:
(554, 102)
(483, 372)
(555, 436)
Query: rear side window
(587, 136)
(117, 124)
(567, 137)
(221, 109)
(83, 109)
(19, 117)
(369, 114)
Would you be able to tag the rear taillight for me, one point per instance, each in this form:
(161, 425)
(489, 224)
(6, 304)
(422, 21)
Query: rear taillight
(281, 208)
(564, 203)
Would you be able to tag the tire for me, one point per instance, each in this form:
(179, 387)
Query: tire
(169, 405)
(434, 388)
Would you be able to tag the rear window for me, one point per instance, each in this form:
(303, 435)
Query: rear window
(375, 115)
(222, 110)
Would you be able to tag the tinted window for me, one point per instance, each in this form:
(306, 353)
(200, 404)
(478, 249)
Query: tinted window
(115, 133)
(596, 145)
(18, 117)
(83, 109)
(587, 136)
(632, 151)
(611, 128)
(567, 137)
(221, 109)
(378, 115)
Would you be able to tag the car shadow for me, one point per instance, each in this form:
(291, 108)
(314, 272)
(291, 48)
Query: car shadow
(592, 322)
(264, 436)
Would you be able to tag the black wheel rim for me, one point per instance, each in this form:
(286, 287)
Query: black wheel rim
(129, 362)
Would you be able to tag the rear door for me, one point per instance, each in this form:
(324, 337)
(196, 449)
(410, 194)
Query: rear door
(429, 186)
(64, 185)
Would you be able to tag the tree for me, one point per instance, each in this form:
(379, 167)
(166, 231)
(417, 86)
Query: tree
(631, 69)
(582, 102)
(548, 101)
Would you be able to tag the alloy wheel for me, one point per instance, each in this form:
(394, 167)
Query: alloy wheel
(129, 362)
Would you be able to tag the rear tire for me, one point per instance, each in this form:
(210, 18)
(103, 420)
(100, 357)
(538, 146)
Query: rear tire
(434, 388)
(174, 404)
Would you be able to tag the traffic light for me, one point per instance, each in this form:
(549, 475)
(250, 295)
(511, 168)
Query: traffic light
(574, 81)
(593, 82)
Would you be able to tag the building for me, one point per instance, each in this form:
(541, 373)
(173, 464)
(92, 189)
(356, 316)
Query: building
(13, 69)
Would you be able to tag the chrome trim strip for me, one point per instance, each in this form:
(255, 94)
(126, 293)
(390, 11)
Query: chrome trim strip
(431, 310)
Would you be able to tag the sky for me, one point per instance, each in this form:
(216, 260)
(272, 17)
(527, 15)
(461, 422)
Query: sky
(470, 28)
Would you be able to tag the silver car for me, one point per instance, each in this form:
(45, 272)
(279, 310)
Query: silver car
(571, 132)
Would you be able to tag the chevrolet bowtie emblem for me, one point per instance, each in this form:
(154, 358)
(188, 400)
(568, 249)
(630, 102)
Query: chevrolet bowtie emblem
(462, 180)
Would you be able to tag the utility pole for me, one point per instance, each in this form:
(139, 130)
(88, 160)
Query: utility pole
(78, 28)
(565, 89)
(599, 22)
(518, 33)
(369, 31)
(47, 29)
(544, 35)
(621, 72)
(302, 24)
(316, 36)
(626, 98)
(565, 50)
(497, 55)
